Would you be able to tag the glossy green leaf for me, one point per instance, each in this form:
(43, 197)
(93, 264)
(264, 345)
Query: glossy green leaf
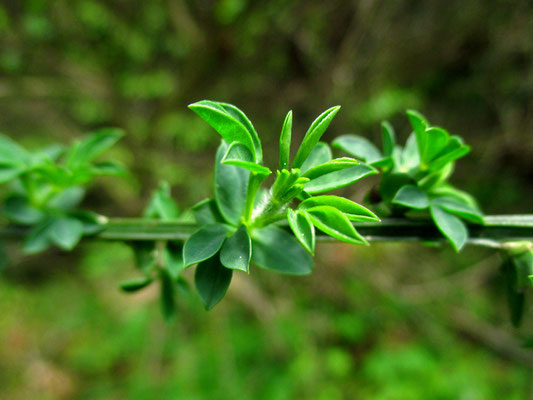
(339, 179)
(437, 139)
(459, 208)
(388, 137)
(411, 196)
(410, 156)
(391, 183)
(11, 153)
(212, 281)
(277, 250)
(447, 190)
(135, 284)
(67, 199)
(358, 147)
(66, 232)
(352, 210)
(237, 250)
(206, 212)
(419, 124)
(450, 226)
(243, 119)
(330, 166)
(335, 224)
(321, 154)
(204, 243)
(435, 180)
(92, 147)
(302, 228)
(168, 296)
(230, 187)
(162, 205)
(454, 150)
(17, 209)
(226, 122)
(313, 135)
(239, 156)
(285, 142)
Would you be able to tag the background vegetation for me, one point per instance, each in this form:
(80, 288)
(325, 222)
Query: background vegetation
(385, 322)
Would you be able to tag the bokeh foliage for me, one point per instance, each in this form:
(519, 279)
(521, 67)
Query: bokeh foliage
(379, 322)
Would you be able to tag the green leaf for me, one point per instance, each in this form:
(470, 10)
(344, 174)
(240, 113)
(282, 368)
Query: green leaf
(12, 154)
(523, 263)
(302, 228)
(243, 119)
(391, 183)
(358, 147)
(331, 166)
(66, 232)
(162, 205)
(454, 149)
(96, 144)
(168, 296)
(313, 135)
(437, 139)
(144, 253)
(227, 122)
(459, 208)
(339, 179)
(352, 210)
(206, 212)
(447, 190)
(92, 222)
(335, 224)
(230, 187)
(39, 238)
(450, 226)
(9, 172)
(410, 156)
(173, 259)
(419, 124)
(411, 196)
(135, 284)
(111, 168)
(239, 156)
(277, 250)
(67, 199)
(321, 154)
(237, 250)
(212, 281)
(285, 142)
(204, 243)
(17, 209)
(388, 137)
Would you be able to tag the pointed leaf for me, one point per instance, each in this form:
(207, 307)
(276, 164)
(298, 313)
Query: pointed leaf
(39, 238)
(388, 137)
(277, 250)
(135, 284)
(335, 224)
(285, 142)
(168, 296)
(9, 172)
(230, 187)
(437, 139)
(450, 226)
(237, 250)
(329, 167)
(11, 153)
(352, 210)
(18, 209)
(204, 243)
(313, 135)
(411, 196)
(173, 259)
(302, 228)
(339, 179)
(419, 124)
(212, 281)
(93, 146)
(460, 209)
(240, 156)
(223, 119)
(358, 147)
(321, 154)
(162, 205)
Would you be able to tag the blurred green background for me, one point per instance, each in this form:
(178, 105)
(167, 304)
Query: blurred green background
(386, 322)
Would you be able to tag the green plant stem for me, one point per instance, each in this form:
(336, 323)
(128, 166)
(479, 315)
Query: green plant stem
(254, 183)
(495, 233)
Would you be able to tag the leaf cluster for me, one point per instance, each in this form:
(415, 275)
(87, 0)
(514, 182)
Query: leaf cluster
(414, 179)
